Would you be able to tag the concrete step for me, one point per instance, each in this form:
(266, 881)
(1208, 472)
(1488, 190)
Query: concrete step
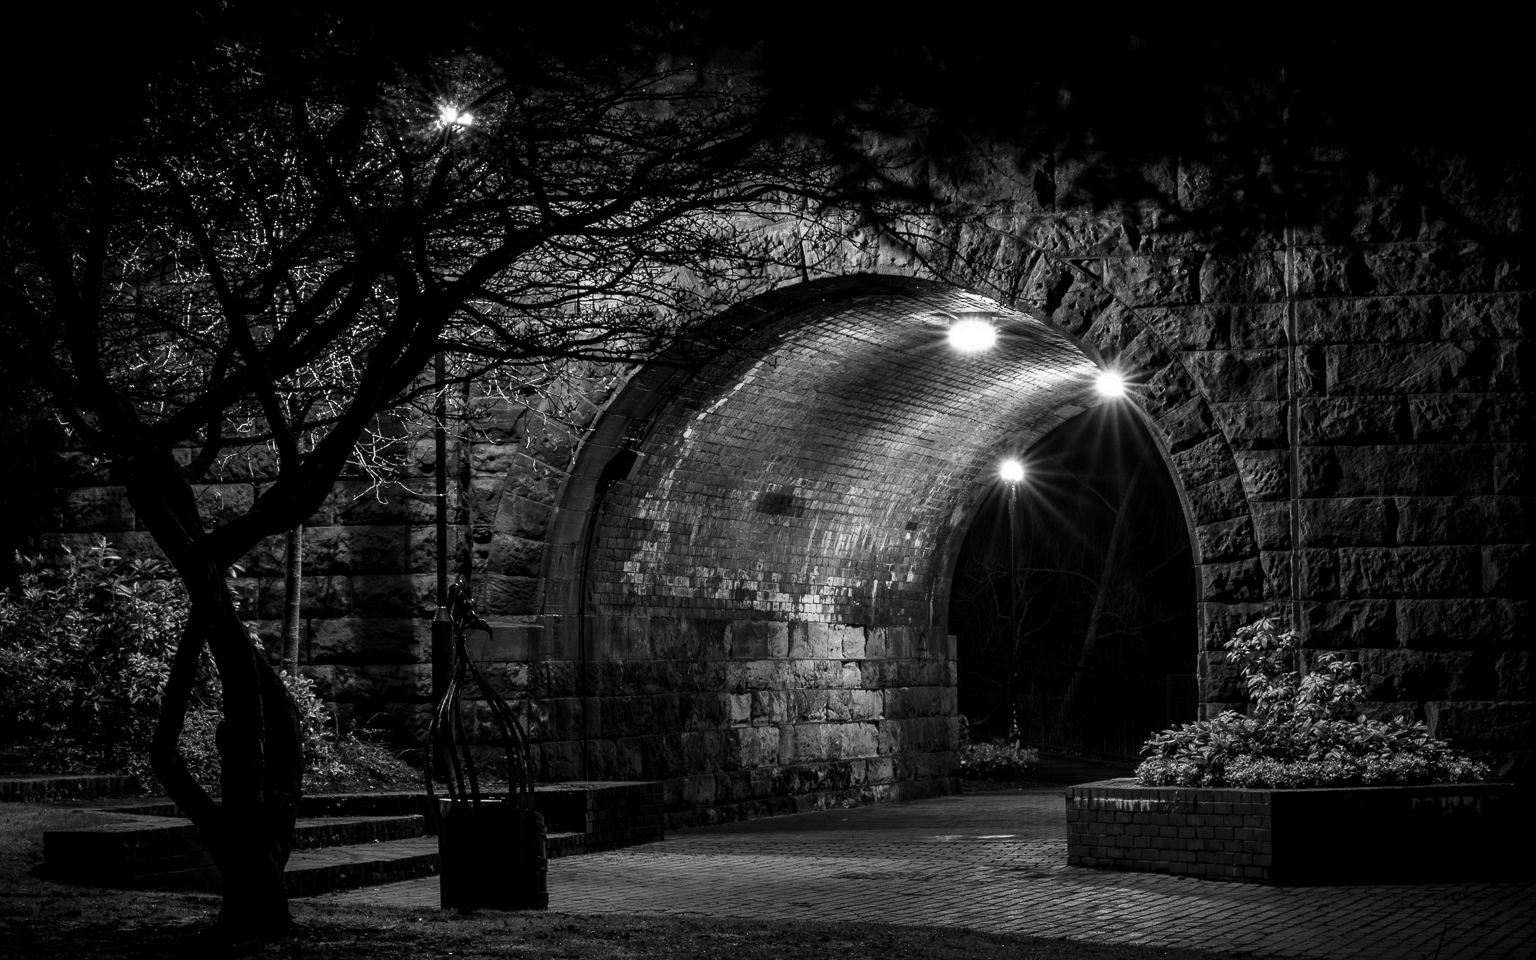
(61, 786)
(613, 813)
(316, 832)
(343, 841)
(133, 850)
(328, 869)
(348, 867)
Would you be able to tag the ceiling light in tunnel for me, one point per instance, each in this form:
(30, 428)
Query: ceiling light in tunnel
(1011, 470)
(972, 335)
(1110, 384)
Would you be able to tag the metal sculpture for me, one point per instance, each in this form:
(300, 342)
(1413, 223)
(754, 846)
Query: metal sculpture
(491, 849)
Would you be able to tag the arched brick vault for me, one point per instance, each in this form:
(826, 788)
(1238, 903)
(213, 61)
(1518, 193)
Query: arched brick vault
(825, 470)
(1343, 416)
(761, 613)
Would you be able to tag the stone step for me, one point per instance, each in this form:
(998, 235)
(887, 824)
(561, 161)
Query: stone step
(73, 786)
(609, 813)
(380, 837)
(326, 870)
(309, 834)
(133, 850)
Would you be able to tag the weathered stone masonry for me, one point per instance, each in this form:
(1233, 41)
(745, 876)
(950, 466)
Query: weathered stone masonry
(760, 622)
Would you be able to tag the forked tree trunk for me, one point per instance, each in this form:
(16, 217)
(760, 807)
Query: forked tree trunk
(250, 831)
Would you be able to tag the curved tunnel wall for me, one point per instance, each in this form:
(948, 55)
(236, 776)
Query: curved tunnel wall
(821, 475)
(758, 608)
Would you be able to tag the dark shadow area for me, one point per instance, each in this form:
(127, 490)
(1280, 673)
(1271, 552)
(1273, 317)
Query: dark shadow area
(1080, 627)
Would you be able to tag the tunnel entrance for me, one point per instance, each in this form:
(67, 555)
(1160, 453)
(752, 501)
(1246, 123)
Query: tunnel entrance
(1075, 611)
(746, 587)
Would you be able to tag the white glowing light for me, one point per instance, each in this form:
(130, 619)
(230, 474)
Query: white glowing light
(1011, 470)
(449, 115)
(1110, 384)
(972, 336)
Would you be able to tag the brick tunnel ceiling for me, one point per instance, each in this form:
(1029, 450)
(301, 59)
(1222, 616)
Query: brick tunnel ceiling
(826, 471)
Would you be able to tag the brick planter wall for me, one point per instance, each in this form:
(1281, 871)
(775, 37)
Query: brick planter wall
(1438, 832)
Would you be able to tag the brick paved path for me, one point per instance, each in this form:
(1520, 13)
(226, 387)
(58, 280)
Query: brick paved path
(997, 862)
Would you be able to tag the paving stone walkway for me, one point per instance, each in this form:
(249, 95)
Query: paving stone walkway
(997, 862)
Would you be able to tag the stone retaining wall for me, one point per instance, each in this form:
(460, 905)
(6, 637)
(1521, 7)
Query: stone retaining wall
(736, 717)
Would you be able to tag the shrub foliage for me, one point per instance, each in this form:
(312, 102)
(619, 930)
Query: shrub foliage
(1301, 732)
(85, 651)
(1001, 759)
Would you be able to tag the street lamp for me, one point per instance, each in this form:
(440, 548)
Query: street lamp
(1012, 471)
(1110, 384)
(442, 626)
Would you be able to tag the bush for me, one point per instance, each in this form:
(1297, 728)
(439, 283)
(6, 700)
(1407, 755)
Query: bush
(997, 761)
(85, 652)
(333, 758)
(1302, 732)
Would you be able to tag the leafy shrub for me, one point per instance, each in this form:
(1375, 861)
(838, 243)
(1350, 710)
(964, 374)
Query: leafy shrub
(333, 758)
(1302, 732)
(85, 651)
(198, 746)
(997, 761)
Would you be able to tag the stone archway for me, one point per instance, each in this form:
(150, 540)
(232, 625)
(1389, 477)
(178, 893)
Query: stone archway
(750, 563)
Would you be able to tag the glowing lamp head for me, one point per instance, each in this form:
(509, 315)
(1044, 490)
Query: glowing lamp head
(1110, 384)
(449, 115)
(1012, 471)
(972, 335)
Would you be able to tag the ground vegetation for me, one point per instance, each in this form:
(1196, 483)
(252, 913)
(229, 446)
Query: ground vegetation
(86, 647)
(1303, 730)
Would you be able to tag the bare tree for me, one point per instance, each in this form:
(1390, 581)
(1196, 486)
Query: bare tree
(268, 238)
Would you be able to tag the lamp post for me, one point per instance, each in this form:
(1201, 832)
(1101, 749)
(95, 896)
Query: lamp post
(1012, 471)
(442, 626)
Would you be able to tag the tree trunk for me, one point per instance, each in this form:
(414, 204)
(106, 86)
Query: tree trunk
(250, 831)
(293, 599)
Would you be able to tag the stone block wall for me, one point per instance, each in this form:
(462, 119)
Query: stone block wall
(735, 717)
(1411, 496)
(369, 559)
(1345, 410)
